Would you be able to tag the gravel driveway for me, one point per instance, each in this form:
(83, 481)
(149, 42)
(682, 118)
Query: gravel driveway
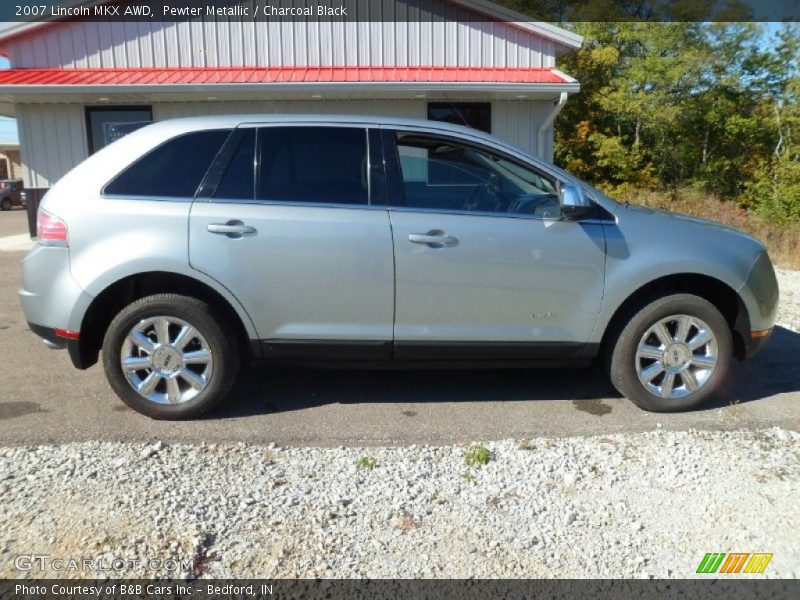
(646, 505)
(789, 308)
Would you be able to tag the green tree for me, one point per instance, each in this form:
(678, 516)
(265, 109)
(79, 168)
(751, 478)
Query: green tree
(637, 79)
(725, 130)
(775, 187)
(670, 98)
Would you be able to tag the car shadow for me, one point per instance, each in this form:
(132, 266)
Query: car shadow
(287, 389)
(267, 390)
(776, 370)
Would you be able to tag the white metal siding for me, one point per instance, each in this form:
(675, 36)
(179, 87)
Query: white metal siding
(518, 124)
(397, 108)
(52, 140)
(219, 44)
(53, 136)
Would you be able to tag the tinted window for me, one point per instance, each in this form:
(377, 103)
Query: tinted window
(477, 115)
(438, 173)
(174, 169)
(313, 164)
(238, 181)
(105, 124)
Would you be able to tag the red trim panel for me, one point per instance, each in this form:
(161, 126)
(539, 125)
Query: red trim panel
(70, 335)
(213, 75)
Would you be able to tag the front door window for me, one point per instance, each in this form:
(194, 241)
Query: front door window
(441, 174)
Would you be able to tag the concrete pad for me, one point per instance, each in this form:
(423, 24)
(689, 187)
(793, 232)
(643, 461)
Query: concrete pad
(16, 243)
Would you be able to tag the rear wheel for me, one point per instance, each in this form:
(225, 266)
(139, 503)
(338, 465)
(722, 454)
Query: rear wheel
(168, 358)
(672, 354)
(5, 204)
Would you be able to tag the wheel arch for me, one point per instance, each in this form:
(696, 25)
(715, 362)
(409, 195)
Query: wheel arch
(122, 292)
(717, 292)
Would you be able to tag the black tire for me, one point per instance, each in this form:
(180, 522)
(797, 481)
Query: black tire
(5, 204)
(221, 344)
(622, 360)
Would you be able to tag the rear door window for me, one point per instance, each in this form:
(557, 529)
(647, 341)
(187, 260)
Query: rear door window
(313, 164)
(238, 182)
(172, 170)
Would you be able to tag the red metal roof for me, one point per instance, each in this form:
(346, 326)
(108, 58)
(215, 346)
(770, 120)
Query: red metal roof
(250, 75)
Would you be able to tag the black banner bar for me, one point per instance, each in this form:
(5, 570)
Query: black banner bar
(400, 10)
(712, 588)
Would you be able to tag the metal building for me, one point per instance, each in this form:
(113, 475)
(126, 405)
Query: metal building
(75, 85)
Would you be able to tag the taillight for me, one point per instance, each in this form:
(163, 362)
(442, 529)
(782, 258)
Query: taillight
(51, 230)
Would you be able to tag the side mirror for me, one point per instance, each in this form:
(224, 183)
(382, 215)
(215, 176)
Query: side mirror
(574, 203)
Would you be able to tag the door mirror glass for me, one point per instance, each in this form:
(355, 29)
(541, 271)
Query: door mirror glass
(574, 203)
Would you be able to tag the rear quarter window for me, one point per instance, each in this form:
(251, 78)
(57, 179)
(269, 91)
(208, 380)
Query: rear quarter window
(172, 170)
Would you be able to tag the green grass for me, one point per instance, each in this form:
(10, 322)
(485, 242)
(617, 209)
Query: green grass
(477, 455)
(366, 462)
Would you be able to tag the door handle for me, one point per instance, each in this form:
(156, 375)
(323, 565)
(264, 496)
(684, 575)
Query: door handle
(433, 239)
(233, 229)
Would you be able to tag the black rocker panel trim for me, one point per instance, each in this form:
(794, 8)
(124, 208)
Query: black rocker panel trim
(381, 350)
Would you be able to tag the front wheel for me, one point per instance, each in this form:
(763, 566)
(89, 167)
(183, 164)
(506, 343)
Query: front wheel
(167, 357)
(673, 353)
(5, 204)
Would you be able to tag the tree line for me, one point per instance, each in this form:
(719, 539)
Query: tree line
(665, 105)
(677, 94)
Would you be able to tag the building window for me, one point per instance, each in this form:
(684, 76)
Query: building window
(104, 124)
(477, 115)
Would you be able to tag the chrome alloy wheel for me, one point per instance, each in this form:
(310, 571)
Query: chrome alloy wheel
(676, 356)
(166, 360)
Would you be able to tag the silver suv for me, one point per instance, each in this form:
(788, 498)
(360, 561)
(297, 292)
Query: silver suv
(194, 245)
